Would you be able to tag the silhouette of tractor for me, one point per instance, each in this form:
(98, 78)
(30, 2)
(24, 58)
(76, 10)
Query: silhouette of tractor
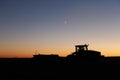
(84, 55)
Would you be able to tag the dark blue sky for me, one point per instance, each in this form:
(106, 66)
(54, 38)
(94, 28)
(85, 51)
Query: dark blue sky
(45, 24)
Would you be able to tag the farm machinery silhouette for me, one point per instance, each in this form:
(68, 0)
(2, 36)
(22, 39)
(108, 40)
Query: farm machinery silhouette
(81, 55)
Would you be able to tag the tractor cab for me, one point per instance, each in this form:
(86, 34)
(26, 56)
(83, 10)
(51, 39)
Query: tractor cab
(79, 48)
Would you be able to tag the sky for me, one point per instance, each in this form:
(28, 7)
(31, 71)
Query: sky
(56, 26)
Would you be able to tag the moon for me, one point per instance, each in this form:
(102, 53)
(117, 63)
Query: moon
(65, 22)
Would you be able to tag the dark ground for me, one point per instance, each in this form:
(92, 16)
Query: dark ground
(28, 69)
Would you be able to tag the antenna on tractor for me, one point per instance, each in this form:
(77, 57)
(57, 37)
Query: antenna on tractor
(35, 52)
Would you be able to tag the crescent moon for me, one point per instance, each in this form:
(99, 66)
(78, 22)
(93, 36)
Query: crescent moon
(65, 22)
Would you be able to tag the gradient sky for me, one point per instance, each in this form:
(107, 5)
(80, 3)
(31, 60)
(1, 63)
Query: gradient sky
(56, 26)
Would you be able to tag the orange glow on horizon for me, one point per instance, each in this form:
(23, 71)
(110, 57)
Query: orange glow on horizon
(27, 51)
(62, 52)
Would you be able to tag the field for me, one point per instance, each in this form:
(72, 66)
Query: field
(28, 69)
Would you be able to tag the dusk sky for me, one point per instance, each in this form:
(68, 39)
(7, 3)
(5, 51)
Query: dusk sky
(56, 26)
